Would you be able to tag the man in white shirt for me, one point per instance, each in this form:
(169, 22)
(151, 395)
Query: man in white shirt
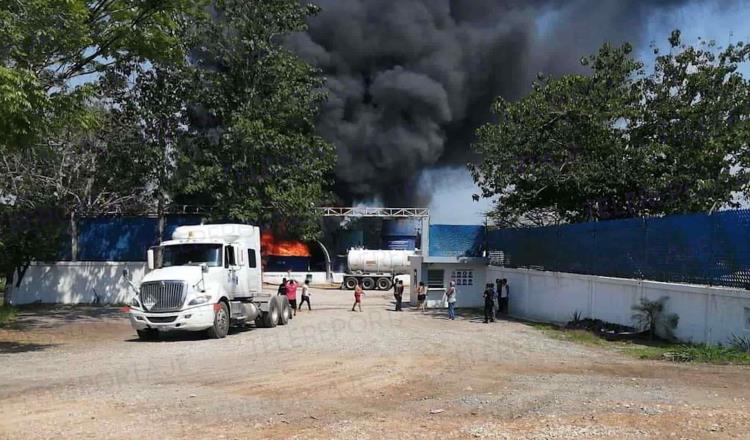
(503, 292)
(450, 297)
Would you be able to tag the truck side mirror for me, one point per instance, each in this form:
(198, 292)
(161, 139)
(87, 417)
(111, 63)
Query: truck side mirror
(204, 267)
(150, 257)
(126, 273)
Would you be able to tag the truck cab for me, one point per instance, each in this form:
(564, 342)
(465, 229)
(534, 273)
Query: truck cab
(206, 278)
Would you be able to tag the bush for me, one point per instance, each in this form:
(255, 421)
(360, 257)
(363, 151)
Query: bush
(7, 314)
(741, 343)
(649, 316)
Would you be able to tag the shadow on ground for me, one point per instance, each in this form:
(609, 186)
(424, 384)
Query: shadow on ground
(34, 317)
(22, 347)
(469, 315)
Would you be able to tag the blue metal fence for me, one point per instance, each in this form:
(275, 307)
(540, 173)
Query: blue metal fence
(695, 248)
(122, 238)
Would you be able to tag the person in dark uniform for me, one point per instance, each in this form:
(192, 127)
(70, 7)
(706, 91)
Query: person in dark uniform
(282, 287)
(398, 293)
(489, 303)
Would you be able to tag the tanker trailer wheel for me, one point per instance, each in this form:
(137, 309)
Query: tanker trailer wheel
(384, 283)
(148, 334)
(271, 317)
(286, 310)
(350, 283)
(221, 322)
(368, 283)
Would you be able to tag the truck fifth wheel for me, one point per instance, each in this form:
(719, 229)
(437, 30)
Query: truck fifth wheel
(207, 278)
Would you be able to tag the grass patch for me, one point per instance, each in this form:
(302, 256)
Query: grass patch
(654, 350)
(7, 314)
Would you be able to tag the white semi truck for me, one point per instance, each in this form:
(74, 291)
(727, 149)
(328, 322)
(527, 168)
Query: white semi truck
(206, 278)
(375, 269)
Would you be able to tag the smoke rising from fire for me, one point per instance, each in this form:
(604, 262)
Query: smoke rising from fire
(409, 81)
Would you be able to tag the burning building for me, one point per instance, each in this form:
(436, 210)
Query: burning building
(284, 255)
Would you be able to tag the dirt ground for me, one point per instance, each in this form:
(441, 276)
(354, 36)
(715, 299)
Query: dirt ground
(80, 373)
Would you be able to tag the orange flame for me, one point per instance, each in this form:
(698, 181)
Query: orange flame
(282, 248)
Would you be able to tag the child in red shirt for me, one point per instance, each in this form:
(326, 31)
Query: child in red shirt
(358, 292)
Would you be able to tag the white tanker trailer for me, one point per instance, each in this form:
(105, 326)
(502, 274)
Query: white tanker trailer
(375, 269)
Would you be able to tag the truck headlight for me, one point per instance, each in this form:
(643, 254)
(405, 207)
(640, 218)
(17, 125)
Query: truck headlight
(135, 303)
(198, 300)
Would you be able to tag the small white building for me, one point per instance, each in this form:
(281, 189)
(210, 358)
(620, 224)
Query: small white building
(469, 273)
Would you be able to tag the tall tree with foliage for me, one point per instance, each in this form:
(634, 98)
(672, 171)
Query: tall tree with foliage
(55, 121)
(48, 47)
(253, 154)
(619, 142)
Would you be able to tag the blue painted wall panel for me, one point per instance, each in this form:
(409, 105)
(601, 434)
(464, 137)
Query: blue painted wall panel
(456, 240)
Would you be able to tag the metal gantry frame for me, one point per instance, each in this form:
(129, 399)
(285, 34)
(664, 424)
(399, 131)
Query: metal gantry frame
(423, 214)
(365, 211)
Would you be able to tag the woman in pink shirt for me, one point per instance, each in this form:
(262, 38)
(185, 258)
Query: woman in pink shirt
(291, 294)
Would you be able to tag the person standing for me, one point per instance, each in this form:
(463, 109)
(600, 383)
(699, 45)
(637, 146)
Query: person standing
(282, 287)
(450, 297)
(421, 296)
(291, 294)
(305, 296)
(489, 303)
(358, 292)
(503, 295)
(498, 283)
(398, 293)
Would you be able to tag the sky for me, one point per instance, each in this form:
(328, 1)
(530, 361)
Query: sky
(708, 20)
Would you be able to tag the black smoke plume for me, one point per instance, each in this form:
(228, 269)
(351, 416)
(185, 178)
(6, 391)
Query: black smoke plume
(410, 80)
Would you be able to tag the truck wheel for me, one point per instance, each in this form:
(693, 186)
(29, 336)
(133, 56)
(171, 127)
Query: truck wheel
(384, 283)
(368, 283)
(271, 317)
(350, 283)
(148, 334)
(286, 312)
(221, 323)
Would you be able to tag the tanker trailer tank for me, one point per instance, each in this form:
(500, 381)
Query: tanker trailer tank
(375, 269)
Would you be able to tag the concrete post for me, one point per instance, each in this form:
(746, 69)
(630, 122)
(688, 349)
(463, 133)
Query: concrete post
(425, 244)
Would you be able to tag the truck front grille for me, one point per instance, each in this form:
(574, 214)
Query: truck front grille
(162, 296)
(162, 319)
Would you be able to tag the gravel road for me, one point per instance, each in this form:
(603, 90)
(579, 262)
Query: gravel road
(81, 373)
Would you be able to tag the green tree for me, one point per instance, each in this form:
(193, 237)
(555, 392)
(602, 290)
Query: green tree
(123, 105)
(252, 153)
(49, 46)
(55, 122)
(619, 142)
(151, 118)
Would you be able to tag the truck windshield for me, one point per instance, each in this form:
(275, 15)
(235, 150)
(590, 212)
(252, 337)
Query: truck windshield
(191, 255)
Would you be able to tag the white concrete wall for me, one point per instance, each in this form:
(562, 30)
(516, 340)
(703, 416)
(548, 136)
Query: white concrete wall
(76, 283)
(707, 314)
(317, 277)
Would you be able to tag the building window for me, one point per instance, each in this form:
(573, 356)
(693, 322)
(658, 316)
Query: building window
(435, 278)
(463, 277)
